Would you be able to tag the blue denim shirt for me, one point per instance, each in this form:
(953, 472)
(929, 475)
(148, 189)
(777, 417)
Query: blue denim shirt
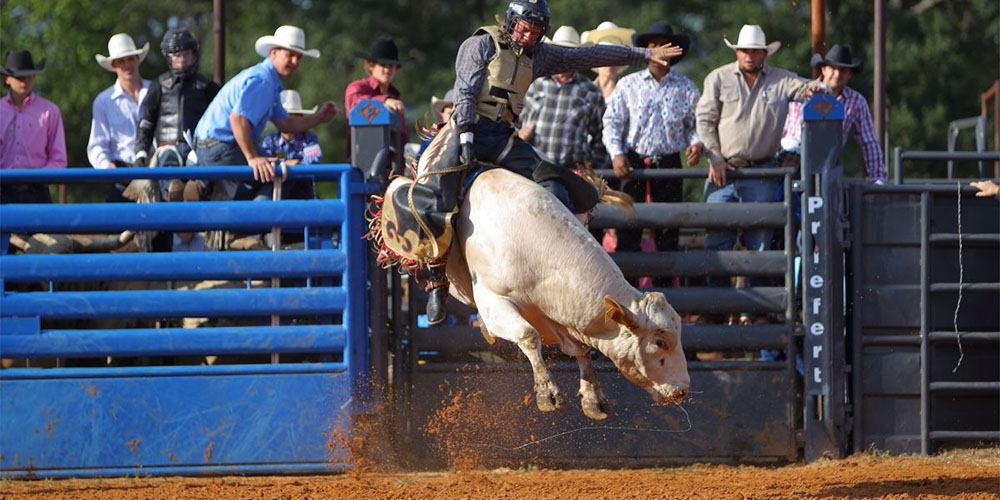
(255, 94)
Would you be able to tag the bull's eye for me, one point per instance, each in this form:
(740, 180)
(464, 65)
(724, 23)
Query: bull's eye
(661, 344)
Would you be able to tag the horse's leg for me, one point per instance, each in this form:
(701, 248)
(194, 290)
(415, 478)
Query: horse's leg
(503, 320)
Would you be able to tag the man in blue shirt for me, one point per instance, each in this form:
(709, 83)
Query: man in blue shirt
(227, 133)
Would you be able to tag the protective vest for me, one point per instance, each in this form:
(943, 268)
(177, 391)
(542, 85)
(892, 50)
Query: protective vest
(173, 105)
(508, 76)
(182, 103)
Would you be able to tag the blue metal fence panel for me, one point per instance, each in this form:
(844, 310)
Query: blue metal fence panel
(173, 304)
(175, 341)
(96, 426)
(189, 419)
(174, 266)
(189, 216)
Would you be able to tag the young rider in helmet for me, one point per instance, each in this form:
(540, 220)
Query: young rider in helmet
(494, 68)
(175, 102)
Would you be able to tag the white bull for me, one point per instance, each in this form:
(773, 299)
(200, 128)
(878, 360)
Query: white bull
(537, 276)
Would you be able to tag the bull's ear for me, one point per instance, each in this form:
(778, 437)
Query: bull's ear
(614, 311)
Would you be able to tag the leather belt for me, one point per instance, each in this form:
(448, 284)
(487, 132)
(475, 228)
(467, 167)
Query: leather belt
(650, 161)
(207, 143)
(741, 163)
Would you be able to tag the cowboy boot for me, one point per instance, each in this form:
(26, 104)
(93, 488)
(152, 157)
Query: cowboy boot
(437, 301)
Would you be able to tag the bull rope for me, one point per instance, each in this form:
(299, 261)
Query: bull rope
(589, 428)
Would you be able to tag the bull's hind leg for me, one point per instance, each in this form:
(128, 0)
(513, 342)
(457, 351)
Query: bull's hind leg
(503, 320)
(592, 398)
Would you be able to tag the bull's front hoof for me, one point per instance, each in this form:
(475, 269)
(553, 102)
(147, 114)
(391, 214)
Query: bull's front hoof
(594, 410)
(551, 401)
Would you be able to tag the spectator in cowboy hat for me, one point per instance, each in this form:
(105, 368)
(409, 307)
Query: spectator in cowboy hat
(441, 108)
(650, 123)
(836, 70)
(608, 33)
(562, 114)
(382, 62)
(293, 149)
(32, 128)
(118, 109)
(227, 133)
(740, 116)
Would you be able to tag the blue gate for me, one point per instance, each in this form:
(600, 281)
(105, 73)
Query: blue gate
(294, 377)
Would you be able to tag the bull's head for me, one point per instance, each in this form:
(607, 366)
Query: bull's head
(648, 350)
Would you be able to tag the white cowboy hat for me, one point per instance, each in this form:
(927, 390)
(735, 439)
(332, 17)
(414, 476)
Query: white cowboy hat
(752, 37)
(285, 37)
(608, 33)
(119, 46)
(566, 36)
(292, 102)
(438, 105)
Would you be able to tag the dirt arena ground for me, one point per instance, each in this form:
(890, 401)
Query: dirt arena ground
(963, 475)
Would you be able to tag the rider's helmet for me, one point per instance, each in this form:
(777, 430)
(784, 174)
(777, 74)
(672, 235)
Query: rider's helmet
(535, 12)
(179, 40)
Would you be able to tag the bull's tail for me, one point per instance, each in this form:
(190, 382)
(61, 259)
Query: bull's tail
(608, 195)
(624, 200)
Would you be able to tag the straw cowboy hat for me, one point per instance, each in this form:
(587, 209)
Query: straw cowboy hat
(20, 64)
(383, 51)
(438, 105)
(662, 29)
(119, 46)
(566, 36)
(608, 33)
(839, 56)
(285, 37)
(292, 102)
(752, 37)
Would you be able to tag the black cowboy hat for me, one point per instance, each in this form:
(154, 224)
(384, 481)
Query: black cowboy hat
(20, 64)
(383, 51)
(839, 56)
(662, 29)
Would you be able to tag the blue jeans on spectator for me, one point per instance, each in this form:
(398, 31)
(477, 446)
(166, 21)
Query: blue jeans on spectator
(25, 193)
(218, 153)
(740, 191)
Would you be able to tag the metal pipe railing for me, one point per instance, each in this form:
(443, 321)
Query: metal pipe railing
(163, 266)
(189, 216)
(323, 172)
(900, 155)
(699, 173)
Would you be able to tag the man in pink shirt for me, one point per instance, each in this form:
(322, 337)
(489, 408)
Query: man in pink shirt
(381, 62)
(31, 129)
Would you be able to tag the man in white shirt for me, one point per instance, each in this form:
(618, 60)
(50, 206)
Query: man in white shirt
(118, 109)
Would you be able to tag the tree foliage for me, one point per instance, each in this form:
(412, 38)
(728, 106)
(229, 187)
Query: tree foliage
(940, 54)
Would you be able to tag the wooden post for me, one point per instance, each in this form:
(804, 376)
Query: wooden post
(878, 109)
(219, 28)
(818, 31)
(994, 93)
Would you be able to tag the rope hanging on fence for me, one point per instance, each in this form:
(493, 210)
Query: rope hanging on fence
(961, 276)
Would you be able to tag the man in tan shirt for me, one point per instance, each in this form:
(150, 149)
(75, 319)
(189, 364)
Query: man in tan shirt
(740, 117)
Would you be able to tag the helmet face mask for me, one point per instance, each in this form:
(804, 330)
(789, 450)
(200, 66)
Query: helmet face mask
(532, 12)
(177, 41)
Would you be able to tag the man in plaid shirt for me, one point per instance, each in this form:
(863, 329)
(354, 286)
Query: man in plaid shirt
(837, 68)
(562, 114)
